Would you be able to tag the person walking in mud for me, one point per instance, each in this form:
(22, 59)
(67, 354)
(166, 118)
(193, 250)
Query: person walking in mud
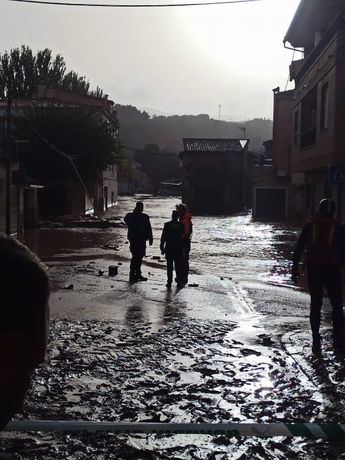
(139, 231)
(323, 240)
(24, 309)
(185, 218)
(172, 246)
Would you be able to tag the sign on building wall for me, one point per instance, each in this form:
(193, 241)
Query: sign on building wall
(336, 175)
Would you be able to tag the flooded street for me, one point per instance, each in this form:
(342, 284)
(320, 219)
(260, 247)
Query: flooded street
(234, 346)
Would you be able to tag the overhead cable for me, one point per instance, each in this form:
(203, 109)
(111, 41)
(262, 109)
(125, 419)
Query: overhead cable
(71, 158)
(135, 5)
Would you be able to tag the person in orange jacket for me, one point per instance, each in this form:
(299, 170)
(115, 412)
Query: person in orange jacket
(186, 221)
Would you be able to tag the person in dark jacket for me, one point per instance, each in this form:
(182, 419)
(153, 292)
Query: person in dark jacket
(139, 231)
(323, 240)
(172, 247)
(185, 218)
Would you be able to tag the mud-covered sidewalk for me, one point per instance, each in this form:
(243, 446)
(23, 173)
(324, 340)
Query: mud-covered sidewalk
(224, 349)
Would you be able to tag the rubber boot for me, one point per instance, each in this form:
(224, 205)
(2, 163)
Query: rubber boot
(316, 347)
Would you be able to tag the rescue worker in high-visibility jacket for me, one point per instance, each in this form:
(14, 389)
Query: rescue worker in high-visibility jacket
(323, 240)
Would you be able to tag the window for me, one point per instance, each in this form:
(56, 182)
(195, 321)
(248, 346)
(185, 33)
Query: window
(308, 119)
(324, 107)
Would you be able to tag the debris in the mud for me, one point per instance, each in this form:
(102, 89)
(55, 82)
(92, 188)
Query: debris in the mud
(46, 224)
(222, 440)
(83, 222)
(113, 270)
(113, 247)
(193, 285)
(100, 272)
(222, 278)
(70, 287)
(248, 352)
(266, 340)
(119, 263)
(156, 258)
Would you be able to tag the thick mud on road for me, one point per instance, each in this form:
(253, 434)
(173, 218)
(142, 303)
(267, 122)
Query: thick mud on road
(234, 347)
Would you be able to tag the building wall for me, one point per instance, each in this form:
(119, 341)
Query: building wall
(327, 147)
(327, 69)
(265, 178)
(338, 102)
(282, 124)
(45, 92)
(273, 195)
(214, 182)
(110, 187)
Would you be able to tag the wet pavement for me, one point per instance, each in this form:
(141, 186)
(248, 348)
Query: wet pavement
(234, 346)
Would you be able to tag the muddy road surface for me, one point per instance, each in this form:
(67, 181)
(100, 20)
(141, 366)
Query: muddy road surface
(233, 346)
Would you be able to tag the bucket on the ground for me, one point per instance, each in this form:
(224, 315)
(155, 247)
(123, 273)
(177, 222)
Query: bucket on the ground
(113, 270)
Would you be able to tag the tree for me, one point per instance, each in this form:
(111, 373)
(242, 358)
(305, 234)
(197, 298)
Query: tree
(21, 72)
(59, 134)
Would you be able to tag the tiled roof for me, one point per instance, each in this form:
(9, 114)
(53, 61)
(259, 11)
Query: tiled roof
(18, 105)
(213, 145)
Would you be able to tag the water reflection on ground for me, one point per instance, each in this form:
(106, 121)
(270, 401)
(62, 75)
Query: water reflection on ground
(231, 246)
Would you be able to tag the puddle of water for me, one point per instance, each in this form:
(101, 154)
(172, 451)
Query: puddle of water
(231, 246)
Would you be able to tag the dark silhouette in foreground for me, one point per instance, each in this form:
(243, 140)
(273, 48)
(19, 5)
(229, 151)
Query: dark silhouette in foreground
(172, 246)
(139, 231)
(24, 322)
(323, 240)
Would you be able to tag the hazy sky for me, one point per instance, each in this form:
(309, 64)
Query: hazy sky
(178, 60)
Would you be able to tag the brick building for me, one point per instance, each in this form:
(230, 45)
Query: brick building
(215, 177)
(29, 200)
(317, 135)
(273, 193)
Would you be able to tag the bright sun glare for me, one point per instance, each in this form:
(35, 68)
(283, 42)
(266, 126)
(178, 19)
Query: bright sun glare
(241, 34)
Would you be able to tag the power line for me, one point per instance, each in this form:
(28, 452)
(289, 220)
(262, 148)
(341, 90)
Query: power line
(147, 5)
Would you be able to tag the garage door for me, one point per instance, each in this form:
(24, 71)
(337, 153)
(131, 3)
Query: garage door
(270, 203)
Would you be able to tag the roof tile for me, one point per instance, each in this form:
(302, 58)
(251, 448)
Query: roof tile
(212, 145)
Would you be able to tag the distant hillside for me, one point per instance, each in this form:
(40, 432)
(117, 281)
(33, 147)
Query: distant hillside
(139, 129)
